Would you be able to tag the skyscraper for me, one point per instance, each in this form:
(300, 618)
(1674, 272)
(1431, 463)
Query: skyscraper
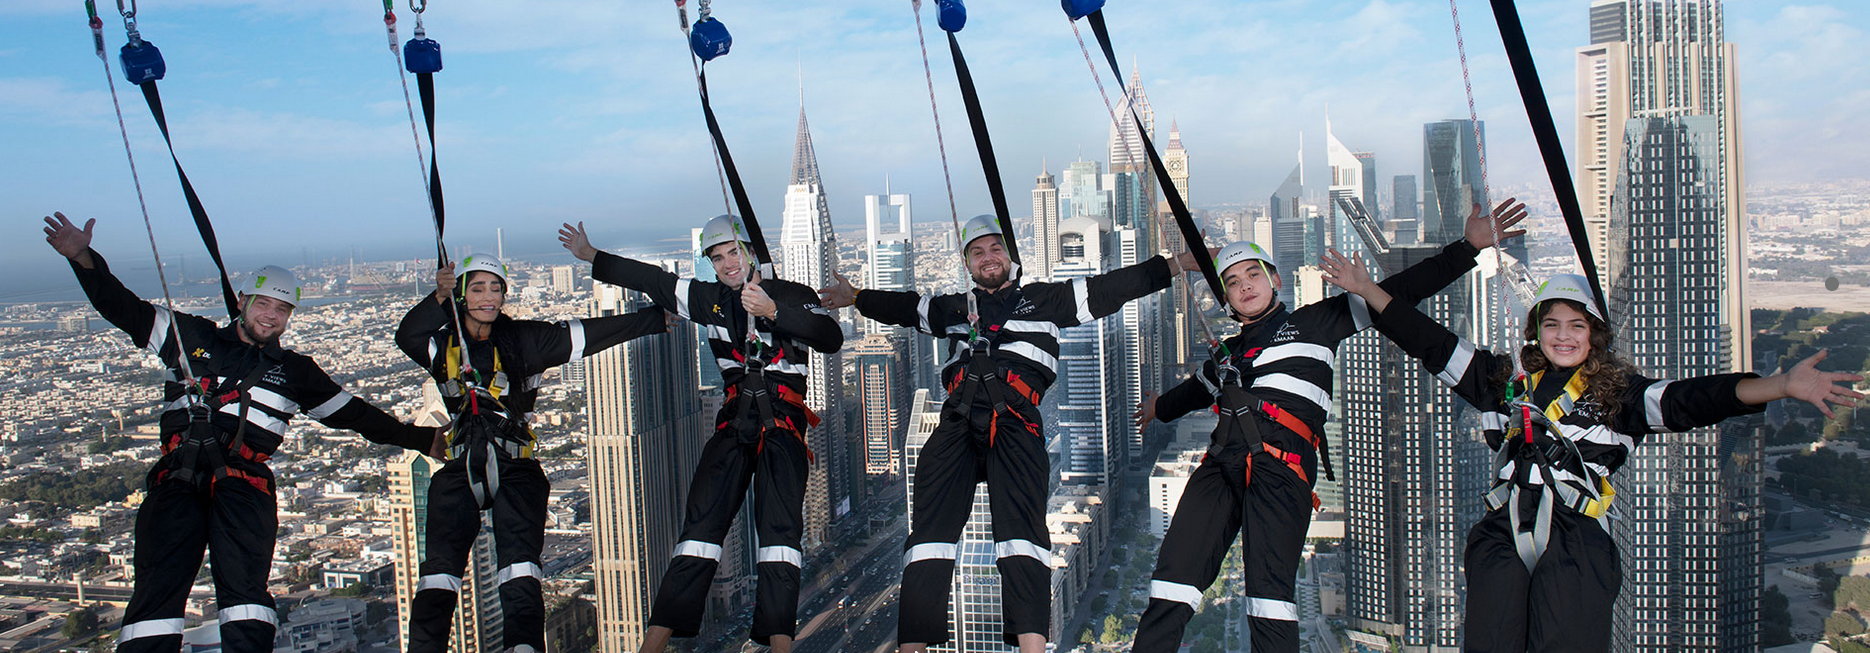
(1603, 80)
(1661, 182)
(647, 427)
(1404, 212)
(1289, 250)
(889, 244)
(809, 256)
(1353, 176)
(1406, 513)
(478, 624)
(1088, 394)
(1044, 228)
(1175, 158)
(883, 391)
(1411, 448)
(1083, 192)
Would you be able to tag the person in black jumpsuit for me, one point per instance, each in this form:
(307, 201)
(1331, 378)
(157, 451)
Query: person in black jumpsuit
(492, 469)
(212, 488)
(1542, 569)
(759, 438)
(990, 425)
(1263, 458)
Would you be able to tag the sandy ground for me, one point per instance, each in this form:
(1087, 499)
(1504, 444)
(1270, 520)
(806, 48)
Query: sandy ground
(1781, 295)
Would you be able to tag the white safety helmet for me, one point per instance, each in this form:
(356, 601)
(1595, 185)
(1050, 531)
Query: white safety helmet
(1569, 286)
(480, 263)
(1244, 250)
(723, 228)
(978, 227)
(275, 282)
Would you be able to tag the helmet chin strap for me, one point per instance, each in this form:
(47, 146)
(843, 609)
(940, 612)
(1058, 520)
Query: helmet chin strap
(1249, 319)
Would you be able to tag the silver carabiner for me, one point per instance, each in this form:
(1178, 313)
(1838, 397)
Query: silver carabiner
(129, 23)
(417, 6)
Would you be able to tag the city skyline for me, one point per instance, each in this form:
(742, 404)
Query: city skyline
(249, 123)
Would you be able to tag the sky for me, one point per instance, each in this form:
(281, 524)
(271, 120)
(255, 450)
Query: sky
(290, 118)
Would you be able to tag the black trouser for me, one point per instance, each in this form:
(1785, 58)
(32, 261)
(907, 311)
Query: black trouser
(1563, 605)
(237, 523)
(775, 465)
(519, 534)
(1270, 514)
(957, 457)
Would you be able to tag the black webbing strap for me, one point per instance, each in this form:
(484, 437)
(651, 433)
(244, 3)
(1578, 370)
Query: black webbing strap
(733, 178)
(1513, 36)
(202, 224)
(425, 84)
(1191, 234)
(988, 165)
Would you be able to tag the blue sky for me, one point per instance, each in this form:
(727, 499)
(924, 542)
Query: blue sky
(290, 118)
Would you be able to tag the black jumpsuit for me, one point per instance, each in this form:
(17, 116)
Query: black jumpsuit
(1563, 603)
(1005, 448)
(1290, 368)
(759, 440)
(512, 359)
(194, 502)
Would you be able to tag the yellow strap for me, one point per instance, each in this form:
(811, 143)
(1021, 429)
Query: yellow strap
(1574, 389)
(454, 367)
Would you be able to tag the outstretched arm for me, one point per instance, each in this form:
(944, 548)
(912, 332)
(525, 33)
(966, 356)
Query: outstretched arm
(149, 326)
(1803, 382)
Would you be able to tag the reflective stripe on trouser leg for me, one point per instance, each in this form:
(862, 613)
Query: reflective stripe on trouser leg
(779, 523)
(943, 496)
(1275, 515)
(1206, 522)
(171, 535)
(240, 550)
(454, 520)
(518, 514)
(714, 497)
(1016, 472)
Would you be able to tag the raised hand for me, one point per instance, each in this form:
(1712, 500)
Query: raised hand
(576, 241)
(1481, 226)
(68, 240)
(445, 281)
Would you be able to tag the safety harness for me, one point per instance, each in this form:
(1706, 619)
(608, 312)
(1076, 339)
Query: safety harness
(754, 394)
(198, 455)
(982, 375)
(484, 429)
(1239, 409)
(1548, 454)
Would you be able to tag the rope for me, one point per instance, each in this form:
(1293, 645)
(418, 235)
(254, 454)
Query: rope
(1499, 259)
(168, 301)
(954, 216)
(396, 53)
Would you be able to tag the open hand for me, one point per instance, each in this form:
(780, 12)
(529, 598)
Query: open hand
(1807, 383)
(576, 241)
(68, 240)
(1481, 227)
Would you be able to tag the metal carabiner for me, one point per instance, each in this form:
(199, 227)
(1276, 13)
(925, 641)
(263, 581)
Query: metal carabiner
(129, 23)
(417, 6)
